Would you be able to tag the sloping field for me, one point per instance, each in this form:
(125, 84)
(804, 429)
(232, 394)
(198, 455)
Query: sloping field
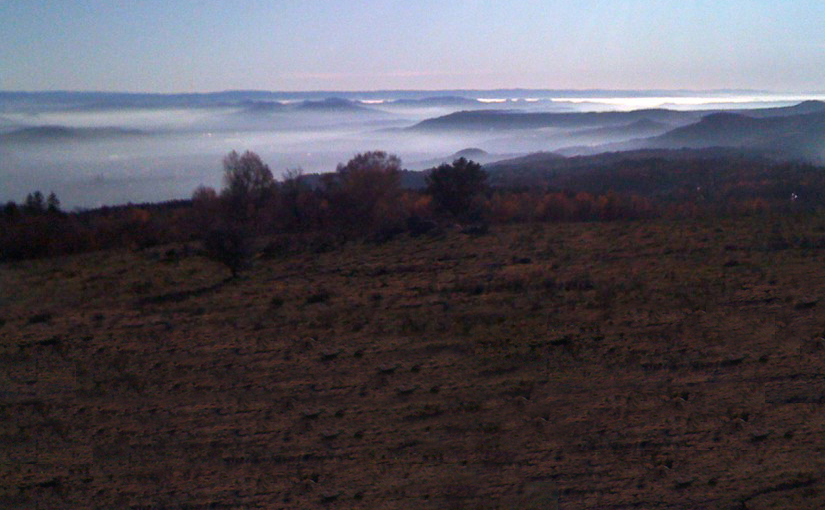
(602, 365)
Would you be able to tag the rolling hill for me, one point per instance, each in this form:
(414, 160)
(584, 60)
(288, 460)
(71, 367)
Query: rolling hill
(501, 120)
(793, 137)
(45, 134)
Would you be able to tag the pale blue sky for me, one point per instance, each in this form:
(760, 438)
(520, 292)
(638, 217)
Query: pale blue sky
(210, 45)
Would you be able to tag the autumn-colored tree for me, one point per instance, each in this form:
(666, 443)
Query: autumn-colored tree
(364, 192)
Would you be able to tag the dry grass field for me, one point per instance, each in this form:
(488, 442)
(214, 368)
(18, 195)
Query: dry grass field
(594, 365)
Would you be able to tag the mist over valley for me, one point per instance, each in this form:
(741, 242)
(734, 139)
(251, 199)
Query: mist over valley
(96, 149)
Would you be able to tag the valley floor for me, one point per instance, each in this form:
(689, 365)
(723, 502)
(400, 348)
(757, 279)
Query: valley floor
(661, 364)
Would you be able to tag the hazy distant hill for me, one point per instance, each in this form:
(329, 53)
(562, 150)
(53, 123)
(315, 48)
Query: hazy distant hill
(85, 99)
(784, 111)
(801, 136)
(442, 101)
(263, 106)
(64, 134)
(718, 129)
(500, 120)
(538, 161)
(471, 153)
(276, 115)
(648, 172)
(6, 123)
(328, 105)
(334, 104)
(497, 120)
(640, 128)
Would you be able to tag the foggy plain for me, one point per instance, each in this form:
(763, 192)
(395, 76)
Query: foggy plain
(108, 149)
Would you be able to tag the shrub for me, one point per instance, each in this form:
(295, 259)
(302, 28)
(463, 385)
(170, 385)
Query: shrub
(321, 296)
(230, 245)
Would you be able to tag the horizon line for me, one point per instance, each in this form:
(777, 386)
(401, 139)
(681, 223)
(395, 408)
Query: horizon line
(390, 90)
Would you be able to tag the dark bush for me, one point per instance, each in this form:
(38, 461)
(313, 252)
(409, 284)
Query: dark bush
(230, 245)
(319, 297)
(455, 188)
(417, 226)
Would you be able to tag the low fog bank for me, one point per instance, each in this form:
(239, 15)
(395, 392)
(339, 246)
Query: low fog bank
(108, 149)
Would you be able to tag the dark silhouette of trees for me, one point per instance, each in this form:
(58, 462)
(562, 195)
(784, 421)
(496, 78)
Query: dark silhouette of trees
(248, 184)
(206, 207)
(230, 222)
(297, 207)
(52, 203)
(34, 204)
(363, 199)
(11, 211)
(455, 188)
(364, 193)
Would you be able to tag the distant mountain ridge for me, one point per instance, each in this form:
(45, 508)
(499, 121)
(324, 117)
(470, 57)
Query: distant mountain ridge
(795, 136)
(92, 99)
(63, 133)
(595, 172)
(486, 120)
(449, 101)
(326, 105)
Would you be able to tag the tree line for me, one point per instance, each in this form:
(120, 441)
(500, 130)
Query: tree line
(361, 199)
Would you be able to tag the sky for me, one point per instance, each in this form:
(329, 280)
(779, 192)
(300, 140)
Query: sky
(212, 45)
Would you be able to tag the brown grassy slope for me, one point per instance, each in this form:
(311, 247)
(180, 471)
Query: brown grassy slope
(643, 365)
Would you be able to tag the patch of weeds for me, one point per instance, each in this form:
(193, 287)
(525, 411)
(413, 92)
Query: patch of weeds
(141, 287)
(412, 325)
(549, 283)
(319, 297)
(54, 341)
(425, 412)
(581, 283)
(516, 283)
(276, 248)
(489, 427)
(471, 406)
(323, 243)
(387, 369)
(330, 355)
(40, 318)
(470, 287)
